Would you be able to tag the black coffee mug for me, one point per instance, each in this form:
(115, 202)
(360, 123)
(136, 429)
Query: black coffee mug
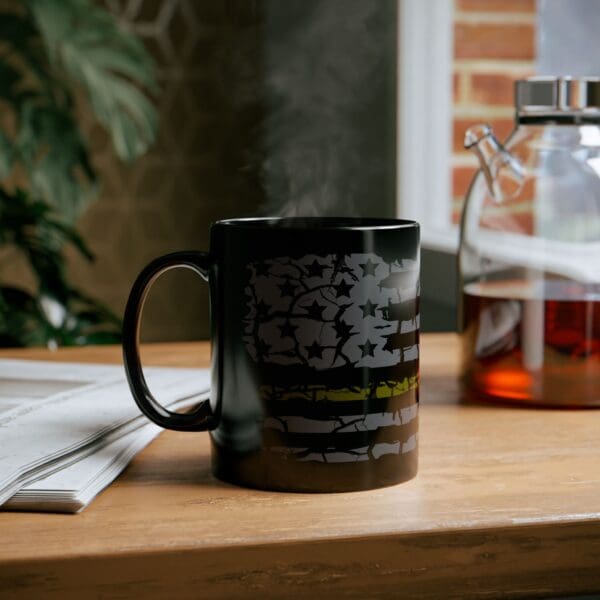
(315, 351)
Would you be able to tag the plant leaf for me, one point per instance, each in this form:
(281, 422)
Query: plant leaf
(25, 56)
(6, 155)
(87, 44)
(56, 158)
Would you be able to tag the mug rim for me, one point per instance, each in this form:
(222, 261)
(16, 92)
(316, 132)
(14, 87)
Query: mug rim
(320, 223)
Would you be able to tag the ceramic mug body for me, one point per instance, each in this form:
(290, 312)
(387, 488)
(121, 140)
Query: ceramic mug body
(315, 352)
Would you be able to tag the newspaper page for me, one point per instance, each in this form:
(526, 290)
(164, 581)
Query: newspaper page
(71, 488)
(50, 412)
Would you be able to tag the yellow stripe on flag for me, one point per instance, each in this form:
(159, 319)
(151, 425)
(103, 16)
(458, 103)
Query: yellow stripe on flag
(320, 393)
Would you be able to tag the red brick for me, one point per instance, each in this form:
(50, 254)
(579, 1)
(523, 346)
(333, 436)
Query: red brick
(522, 202)
(517, 222)
(492, 89)
(461, 180)
(494, 40)
(456, 87)
(456, 215)
(521, 6)
(501, 127)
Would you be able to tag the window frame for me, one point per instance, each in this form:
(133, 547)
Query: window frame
(424, 122)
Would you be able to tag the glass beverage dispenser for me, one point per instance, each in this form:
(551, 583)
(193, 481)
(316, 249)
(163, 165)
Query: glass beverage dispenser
(529, 254)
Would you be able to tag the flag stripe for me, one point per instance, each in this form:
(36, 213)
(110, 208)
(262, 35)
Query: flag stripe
(354, 455)
(344, 424)
(340, 441)
(319, 393)
(335, 378)
(325, 409)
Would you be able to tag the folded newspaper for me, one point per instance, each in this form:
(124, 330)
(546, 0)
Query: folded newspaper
(68, 429)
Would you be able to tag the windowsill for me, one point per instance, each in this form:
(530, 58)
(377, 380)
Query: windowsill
(440, 239)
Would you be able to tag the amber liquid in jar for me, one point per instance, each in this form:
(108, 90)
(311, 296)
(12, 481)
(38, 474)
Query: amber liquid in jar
(533, 343)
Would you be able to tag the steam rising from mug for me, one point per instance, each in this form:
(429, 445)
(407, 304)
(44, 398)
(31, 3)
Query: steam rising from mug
(329, 133)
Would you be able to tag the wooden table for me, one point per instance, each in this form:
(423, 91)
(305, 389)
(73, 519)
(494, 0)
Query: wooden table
(506, 504)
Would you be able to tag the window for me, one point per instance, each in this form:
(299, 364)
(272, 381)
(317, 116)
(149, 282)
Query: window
(457, 64)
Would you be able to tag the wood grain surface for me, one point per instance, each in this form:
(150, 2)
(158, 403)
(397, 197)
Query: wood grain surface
(506, 504)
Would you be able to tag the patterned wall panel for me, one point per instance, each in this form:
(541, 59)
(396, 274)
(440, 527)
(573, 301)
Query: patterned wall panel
(208, 58)
(266, 106)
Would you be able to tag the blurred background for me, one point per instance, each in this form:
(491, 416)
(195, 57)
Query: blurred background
(251, 107)
(265, 107)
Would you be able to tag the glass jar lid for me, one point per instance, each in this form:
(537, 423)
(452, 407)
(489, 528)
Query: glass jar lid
(558, 99)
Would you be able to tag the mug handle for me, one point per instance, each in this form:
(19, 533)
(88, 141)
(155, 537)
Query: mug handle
(200, 419)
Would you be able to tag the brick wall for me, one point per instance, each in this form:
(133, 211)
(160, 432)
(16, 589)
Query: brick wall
(494, 44)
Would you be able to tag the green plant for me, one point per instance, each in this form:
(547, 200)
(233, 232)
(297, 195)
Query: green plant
(55, 56)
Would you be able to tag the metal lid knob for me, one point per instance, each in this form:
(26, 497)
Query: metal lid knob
(589, 89)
